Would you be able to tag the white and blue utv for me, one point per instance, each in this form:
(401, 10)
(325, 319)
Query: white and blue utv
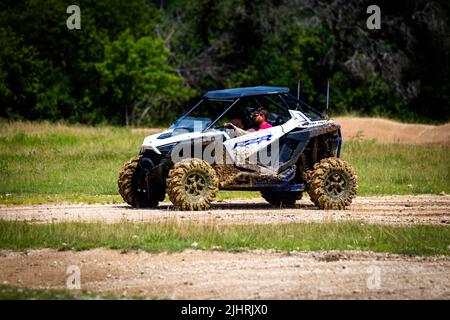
(202, 153)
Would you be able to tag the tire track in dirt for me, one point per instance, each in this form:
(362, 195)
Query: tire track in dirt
(396, 210)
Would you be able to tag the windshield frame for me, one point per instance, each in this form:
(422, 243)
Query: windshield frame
(189, 111)
(213, 122)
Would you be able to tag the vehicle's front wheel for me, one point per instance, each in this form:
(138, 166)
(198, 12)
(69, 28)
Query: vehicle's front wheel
(192, 184)
(332, 184)
(281, 199)
(137, 189)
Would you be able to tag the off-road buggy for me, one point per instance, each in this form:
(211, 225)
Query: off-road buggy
(198, 155)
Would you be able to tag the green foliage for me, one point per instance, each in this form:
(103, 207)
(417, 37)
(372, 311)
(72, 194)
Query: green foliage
(19, 74)
(371, 99)
(136, 73)
(294, 54)
(50, 72)
(117, 69)
(391, 72)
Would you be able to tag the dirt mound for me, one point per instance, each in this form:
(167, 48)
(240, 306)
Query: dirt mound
(388, 131)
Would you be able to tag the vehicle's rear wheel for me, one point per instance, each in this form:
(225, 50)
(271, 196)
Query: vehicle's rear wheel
(192, 184)
(136, 188)
(281, 199)
(332, 184)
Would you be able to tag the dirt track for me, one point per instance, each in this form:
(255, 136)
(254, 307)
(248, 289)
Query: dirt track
(423, 209)
(196, 274)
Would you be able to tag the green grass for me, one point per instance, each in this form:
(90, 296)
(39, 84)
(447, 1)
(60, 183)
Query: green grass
(172, 236)
(385, 169)
(43, 162)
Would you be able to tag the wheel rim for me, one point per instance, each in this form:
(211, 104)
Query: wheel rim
(195, 184)
(335, 185)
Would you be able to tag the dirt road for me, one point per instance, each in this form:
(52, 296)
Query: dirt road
(423, 209)
(196, 274)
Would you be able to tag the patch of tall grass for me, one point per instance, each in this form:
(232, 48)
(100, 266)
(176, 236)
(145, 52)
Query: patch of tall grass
(174, 236)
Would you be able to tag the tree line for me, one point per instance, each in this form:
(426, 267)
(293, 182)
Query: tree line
(144, 62)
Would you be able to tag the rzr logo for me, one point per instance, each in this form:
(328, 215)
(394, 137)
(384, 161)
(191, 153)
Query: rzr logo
(246, 143)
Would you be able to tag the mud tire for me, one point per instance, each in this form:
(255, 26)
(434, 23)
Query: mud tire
(332, 184)
(129, 189)
(281, 199)
(192, 184)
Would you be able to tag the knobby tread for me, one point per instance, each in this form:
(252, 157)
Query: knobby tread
(126, 189)
(316, 184)
(176, 185)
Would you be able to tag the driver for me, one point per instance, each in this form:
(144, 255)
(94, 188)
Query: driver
(259, 117)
